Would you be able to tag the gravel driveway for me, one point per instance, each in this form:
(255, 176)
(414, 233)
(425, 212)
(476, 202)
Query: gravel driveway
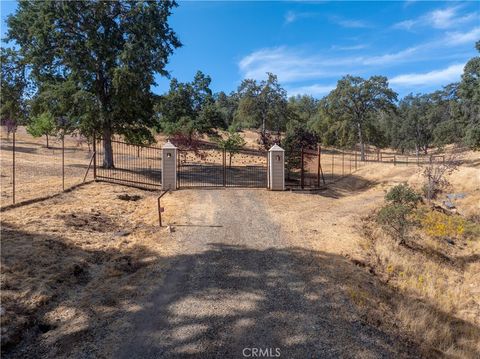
(239, 288)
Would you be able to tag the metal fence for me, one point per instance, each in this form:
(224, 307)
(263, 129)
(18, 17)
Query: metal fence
(31, 170)
(134, 165)
(318, 168)
(215, 167)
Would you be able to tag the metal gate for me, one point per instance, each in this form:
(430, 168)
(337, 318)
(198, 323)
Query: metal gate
(138, 166)
(215, 167)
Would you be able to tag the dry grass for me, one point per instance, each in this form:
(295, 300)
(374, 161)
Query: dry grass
(78, 261)
(38, 170)
(441, 279)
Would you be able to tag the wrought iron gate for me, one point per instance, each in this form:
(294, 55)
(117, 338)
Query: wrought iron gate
(214, 167)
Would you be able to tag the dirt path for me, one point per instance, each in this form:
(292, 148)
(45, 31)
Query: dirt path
(239, 285)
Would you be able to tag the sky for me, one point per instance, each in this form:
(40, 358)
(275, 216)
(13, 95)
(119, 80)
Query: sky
(420, 46)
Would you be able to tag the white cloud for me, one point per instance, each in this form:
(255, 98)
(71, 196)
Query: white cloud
(458, 38)
(313, 90)
(392, 57)
(288, 64)
(353, 23)
(349, 48)
(439, 19)
(436, 77)
(290, 17)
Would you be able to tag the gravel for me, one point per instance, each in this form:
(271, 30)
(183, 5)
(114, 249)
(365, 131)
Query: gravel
(239, 287)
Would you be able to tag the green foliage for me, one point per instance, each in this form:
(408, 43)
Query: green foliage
(469, 98)
(403, 194)
(262, 105)
(42, 125)
(13, 85)
(396, 216)
(296, 138)
(354, 102)
(189, 108)
(396, 220)
(232, 144)
(100, 55)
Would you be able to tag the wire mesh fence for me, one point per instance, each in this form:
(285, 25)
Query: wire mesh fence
(30, 169)
(325, 165)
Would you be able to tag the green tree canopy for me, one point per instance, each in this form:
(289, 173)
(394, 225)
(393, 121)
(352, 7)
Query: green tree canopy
(262, 105)
(42, 125)
(355, 101)
(469, 96)
(13, 84)
(189, 108)
(110, 52)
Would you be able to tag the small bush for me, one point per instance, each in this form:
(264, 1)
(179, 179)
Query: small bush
(396, 220)
(396, 216)
(403, 194)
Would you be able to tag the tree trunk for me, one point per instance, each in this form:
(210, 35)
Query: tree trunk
(47, 141)
(107, 148)
(360, 139)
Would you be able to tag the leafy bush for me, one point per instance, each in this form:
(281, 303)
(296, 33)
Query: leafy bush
(396, 220)
(403, 194)
(396, 216)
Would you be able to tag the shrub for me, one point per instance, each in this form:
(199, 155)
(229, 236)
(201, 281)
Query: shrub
(404, 195)
(396, 220)
(396, 216)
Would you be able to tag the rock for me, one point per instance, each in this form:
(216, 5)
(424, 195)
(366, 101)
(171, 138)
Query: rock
(450, 241)
(449, 204)
(121, 233)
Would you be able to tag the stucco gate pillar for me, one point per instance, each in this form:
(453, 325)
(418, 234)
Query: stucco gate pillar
(276, 170)
(169, 166)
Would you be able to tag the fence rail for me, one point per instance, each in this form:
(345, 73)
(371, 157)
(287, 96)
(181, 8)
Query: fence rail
(132, 164)
(325, 165)
(30, 170)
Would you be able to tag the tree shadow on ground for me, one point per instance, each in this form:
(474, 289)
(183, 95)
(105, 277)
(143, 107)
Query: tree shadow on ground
(211, 304)
(337, 186)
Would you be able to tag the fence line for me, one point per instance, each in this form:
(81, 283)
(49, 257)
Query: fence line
(325, 165)
(30, 170)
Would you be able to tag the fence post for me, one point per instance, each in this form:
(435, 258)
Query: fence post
(63, 161)
(333, 160)
(276, 163)
(94, 147)
(13, 168)
(224, 167)
(169, 167)
(302, 171)
(318, 165)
